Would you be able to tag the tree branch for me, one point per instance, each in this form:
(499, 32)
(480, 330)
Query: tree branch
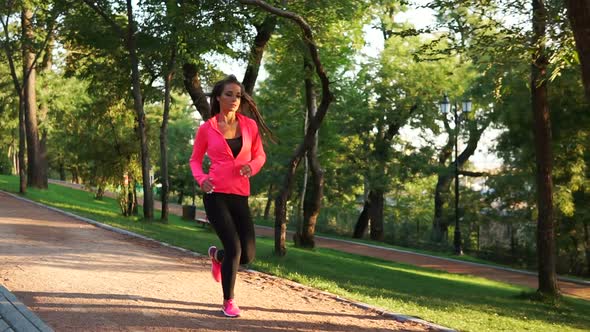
(43, 46)
(473, 174)
(309, 41)
(9, 52)
(394, 128)
(264, 32)
(109, 20)
(315, 122)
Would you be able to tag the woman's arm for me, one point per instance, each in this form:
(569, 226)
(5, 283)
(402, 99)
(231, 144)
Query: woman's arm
(258, 155)
(199, 148)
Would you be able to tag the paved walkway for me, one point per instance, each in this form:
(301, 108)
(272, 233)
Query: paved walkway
(567, 286)
(77, 277)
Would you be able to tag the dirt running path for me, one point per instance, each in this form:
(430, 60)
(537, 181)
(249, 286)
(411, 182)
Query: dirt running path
(77, 277)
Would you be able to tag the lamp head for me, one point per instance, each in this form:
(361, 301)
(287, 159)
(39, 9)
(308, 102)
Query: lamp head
(466, 105)
(445, 105)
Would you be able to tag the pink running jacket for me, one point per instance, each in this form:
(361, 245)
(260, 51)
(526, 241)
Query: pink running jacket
(224, 172)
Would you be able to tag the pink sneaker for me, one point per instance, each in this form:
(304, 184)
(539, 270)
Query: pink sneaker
(215, 264)
(230, 308)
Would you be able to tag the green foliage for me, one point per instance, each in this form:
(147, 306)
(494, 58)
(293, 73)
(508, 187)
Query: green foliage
(5, 164)
(181, 130)
(8, 120)
(337, 27)
(411, 212)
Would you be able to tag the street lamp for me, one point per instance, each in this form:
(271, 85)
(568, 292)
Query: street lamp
(445, 107)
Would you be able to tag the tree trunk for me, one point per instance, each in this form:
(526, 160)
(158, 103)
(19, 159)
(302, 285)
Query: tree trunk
(313, 198)
(62, 170)
(133, 200)
(362, 222)
(445, 178)
(46, 68)
(281, 205)
(379, 185)
(22, 133)
(268, 202)
(34, 171)
(376, 196)
(12, 155)
(263, 33)
(192, 84)
(75, 176)
(578, 12)
(164, 136)
(440, 225)
(587, 247)
(15, 164)
(543, 152)
(44, 169)
(312, 206)
(99, 192)
(300, 211)
(126, 198)
(22, 172)
(148, 197)
(308, 140)
(281, 223)
(512, 239)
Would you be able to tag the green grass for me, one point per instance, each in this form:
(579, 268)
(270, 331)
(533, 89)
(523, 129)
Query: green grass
(464, 258)
(461, 302)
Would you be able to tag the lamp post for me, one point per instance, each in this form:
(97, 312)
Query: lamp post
(445, 107)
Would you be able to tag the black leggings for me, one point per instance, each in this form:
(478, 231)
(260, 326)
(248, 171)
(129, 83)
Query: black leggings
(230, 217)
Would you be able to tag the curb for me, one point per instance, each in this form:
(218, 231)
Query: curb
(15, 316)
(396, 316)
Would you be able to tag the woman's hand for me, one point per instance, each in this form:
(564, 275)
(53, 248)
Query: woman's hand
(207, 186)
(246, 171)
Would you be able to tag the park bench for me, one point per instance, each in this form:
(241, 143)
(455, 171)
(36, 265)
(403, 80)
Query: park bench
(189, 212)
(203, 221)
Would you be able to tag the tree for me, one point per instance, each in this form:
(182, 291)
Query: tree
(264, 32)
(315, 122)
(8, 123)
(400, 91)
(129, 37)
(578, 12)
(165, 17)
(218, 28)
(26, 92)
(30, 100)
(543, 30)
(446, 176)
(543, 153)
(312, 200)
(18, 86)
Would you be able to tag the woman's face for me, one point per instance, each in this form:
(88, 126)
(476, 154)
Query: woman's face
(230, 98)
